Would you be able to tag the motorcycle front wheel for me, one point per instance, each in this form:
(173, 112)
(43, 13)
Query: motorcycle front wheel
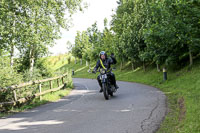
(105, 91)
(111, 93)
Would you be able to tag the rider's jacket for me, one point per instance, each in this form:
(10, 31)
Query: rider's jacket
(106, 63)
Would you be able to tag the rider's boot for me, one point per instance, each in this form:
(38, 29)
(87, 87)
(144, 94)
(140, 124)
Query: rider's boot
(101, 90)
(116, 86)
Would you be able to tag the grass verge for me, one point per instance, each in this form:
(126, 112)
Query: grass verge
(182, 90)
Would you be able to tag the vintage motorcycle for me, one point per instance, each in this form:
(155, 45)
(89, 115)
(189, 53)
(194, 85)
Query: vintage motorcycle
(108, 88)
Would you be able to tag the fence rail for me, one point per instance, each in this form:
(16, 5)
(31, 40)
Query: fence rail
(15, 88)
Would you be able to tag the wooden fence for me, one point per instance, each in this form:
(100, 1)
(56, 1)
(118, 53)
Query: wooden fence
(14, 88)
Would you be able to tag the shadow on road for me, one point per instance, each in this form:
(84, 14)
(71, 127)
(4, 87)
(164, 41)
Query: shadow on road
(45, 116)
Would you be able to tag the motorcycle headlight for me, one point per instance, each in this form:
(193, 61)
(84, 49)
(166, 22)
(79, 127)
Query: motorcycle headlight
(102, 71)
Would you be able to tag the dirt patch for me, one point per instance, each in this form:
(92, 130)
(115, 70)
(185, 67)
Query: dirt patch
(182, 108)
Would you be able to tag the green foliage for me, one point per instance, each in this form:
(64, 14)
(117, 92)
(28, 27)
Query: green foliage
(32, 27)
(8, 76)
(31, 76)
(88, 44)
(145, 32)
(69, 79)
(55, 62)
(41, 69)
(44, 68)
(69, 59)
(163, 32)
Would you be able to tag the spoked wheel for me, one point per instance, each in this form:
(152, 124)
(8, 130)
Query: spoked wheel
(112, 90)
(105, 91)
(111, 93)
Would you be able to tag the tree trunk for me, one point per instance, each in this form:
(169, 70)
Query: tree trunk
(133, 67)
(121, 66)
(86, 63)
(158, 67)
(12, 55)
(31, 59)
(33, 47)
(31, 65)
(89, 65)
(81, 61)
(13, 43)
(144, 67)
(191, 58)
(75, 60)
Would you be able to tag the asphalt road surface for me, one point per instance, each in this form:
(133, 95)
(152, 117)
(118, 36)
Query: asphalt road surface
(135, 108)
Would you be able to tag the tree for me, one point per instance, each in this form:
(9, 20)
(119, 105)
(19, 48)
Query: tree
(77, 50)
(162, 32)
(32, 25)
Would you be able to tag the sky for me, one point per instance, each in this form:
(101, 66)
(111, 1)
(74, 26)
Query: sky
(97, 11)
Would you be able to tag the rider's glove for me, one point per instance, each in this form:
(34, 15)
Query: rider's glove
(112, 55)
(93, 71)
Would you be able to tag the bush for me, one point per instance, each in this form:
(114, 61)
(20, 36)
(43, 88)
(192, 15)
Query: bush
(69, 79)
(8, 77)
(44, 68)
(28, 76)
(69, 59)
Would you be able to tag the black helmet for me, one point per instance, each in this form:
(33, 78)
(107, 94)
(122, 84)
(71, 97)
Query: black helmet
(102, 53)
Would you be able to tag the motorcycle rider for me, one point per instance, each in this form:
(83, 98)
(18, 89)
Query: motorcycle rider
(105, 62)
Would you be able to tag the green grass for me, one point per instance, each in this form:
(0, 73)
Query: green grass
(55, 62)
(182, 90)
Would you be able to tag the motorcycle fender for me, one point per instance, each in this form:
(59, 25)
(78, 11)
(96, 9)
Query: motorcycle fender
(103, 78)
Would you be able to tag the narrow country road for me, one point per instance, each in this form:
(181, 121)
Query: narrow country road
(135, 108)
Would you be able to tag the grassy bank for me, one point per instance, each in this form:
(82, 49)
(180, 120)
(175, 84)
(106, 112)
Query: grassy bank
(182, 90)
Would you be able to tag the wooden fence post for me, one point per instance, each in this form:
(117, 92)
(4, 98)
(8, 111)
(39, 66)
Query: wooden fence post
(66, 80)
(51, 85)
(58, 82)
(63, 80)
(15, 95)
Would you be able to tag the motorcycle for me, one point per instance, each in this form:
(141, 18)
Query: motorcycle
(108, 88)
